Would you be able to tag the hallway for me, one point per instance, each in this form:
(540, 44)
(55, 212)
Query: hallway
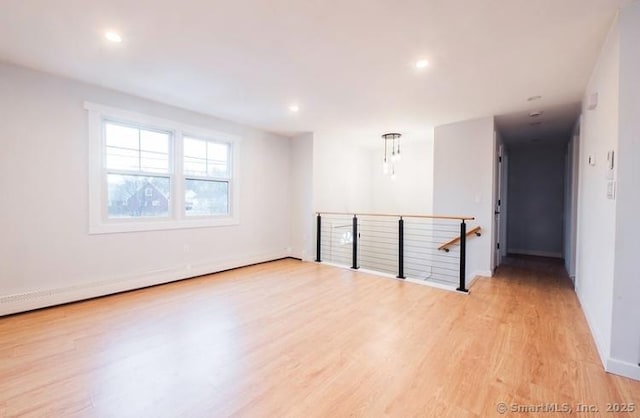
(552, 354)
(530, 267)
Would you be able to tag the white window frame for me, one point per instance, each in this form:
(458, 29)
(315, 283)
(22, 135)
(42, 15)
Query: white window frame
(227, 179)
(99, 223)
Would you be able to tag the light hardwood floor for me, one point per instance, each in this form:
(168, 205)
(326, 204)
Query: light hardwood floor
(293, 339)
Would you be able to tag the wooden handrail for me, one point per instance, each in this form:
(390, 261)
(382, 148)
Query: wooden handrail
(445, 247)
(397, 215)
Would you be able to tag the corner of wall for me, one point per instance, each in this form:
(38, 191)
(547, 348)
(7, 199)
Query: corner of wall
(301, 163)
(623, 368)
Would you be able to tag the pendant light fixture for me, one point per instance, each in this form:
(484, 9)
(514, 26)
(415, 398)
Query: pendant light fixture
(389, 161)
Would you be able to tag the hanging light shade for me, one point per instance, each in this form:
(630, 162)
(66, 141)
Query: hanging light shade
(391, 140)
(385, 167)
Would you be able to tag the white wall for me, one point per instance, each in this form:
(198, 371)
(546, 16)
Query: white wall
(608, 229)
(349, 177)
(464, 158)
(412, 190)
(625, 340)
(536, 199)
(44, 243)
(341, 174)
(302, 215)
(596, 213)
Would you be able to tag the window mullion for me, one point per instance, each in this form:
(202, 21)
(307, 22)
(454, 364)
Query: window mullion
(203, 178)
(139, 150)
(178, 170)
(137, 173)
(206, 157)
(104, 184)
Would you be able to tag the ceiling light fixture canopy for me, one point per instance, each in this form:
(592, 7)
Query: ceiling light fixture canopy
(389, 162)
(113, 37)
(422, 64)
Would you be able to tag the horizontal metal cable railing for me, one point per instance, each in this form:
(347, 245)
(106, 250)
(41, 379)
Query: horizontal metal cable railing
(422, 247)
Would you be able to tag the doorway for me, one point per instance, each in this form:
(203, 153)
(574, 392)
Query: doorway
(536, 184)
(500, 203)
(571, 203)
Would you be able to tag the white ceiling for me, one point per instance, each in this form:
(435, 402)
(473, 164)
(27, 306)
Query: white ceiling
(555, 124)
(348, 63)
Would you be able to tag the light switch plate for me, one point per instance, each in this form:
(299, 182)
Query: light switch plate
(611, 190)
(592, 102)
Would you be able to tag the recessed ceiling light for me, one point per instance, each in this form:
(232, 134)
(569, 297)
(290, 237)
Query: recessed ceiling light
(294, 108)
(532, 98)
(113, 37)
(420, 64)
(536, 113)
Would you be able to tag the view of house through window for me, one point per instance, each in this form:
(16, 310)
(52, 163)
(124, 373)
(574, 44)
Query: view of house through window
(134, 196)
(138, 172)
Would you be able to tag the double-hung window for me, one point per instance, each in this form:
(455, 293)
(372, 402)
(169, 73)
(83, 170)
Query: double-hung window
(206, 177)
(147, 173)
(138, 171)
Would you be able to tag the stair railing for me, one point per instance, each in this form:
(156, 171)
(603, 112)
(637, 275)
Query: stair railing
(424, 247)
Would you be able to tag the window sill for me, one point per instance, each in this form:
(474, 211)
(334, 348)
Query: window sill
(160, 225)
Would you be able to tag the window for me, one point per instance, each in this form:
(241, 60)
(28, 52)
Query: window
(147, 173)
(206, 171)
(137, 171)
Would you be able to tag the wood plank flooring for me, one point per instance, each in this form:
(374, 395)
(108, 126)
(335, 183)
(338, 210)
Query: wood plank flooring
(293, 339)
